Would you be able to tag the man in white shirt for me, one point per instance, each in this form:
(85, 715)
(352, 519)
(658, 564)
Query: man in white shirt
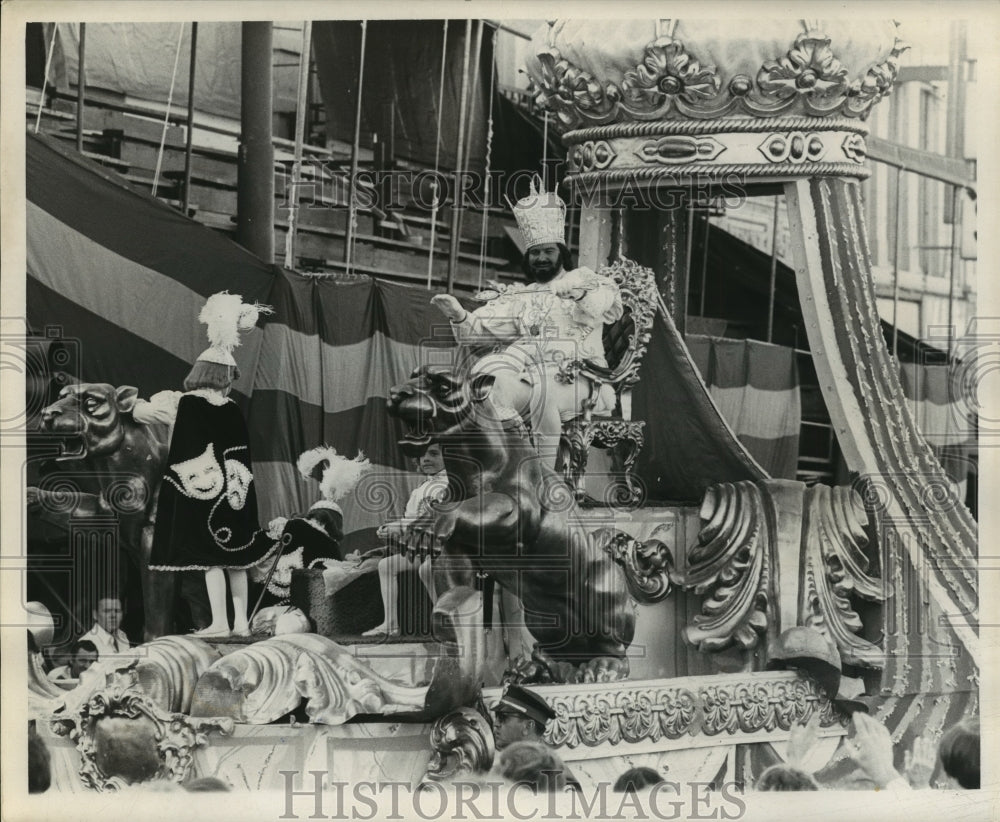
(83, 655)
(109, 639)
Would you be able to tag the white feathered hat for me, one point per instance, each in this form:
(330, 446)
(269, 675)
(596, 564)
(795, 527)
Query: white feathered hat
(340, 475)
(226, 315)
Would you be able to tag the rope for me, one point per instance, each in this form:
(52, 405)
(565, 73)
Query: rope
(437, 156)
(45, 79)
(489, 156)
(166, 114)
(300, 125)
(352, 211)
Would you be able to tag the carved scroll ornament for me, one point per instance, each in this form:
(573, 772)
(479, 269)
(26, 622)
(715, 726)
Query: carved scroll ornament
(462, 742)
(835, 568)
(724, 705)
(732, 564)
(123, 737)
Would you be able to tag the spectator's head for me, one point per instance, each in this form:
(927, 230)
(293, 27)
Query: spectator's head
(532, 763)
(431, 461)
(206, 783)
(785, 778)
(637, 779)
(39, 767)
(959, 753)
(521, 715)
(108, 613)
(84, 655)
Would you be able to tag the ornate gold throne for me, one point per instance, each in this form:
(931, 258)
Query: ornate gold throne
(624, 344)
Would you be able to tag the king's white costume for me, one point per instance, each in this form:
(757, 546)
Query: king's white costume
(533, 330)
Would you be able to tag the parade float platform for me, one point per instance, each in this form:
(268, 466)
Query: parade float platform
(401, 708)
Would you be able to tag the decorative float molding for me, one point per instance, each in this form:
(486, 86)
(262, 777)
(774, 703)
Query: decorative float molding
(775, 554)
(124, 737)
(835, 568)
(686, 712)
(732, 563)
(671, 82)
(674, 116)
(463, 745)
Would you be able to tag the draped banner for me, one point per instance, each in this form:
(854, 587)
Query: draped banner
(756, 387)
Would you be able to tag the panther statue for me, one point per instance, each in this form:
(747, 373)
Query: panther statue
(125, 461)
(512, 518)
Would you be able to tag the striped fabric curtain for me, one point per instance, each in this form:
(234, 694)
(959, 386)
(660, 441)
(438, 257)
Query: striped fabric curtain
(945, 417)
(331, 353)
(119, 278)
(756, 388)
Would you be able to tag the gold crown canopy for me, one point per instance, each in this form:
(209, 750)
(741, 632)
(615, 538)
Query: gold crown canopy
(764, 98)
(541, 216)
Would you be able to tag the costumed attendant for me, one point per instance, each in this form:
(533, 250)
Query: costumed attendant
(207, 511)
(399, 558)
(308, 541)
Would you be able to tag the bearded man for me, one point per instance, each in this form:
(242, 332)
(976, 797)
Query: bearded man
(533, 329)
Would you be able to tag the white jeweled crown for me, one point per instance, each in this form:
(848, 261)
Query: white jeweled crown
(541, 216)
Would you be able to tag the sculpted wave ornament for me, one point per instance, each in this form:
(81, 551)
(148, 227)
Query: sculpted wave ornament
(266, 680)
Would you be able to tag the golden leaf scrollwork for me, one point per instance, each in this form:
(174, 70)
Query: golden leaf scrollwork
(463, 744)
(627, 715)
(835, 570)
(809, 68)
(732, 564)
(646, 564)
(571, 92)
(766, 705)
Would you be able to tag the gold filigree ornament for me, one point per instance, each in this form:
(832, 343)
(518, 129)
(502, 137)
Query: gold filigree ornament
(124, 738)
(670, 83)
(667, 74)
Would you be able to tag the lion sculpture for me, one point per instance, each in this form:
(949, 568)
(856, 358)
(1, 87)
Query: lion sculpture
(513, 519)
(126, 461)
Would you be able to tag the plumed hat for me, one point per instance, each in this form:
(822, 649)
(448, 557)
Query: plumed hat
(226, 315)
(541, 216)
(337, 475)
(520, 700)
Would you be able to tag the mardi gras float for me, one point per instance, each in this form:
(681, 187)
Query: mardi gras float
(691, 633)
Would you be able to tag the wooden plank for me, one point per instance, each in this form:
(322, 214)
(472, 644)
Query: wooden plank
(946, 169)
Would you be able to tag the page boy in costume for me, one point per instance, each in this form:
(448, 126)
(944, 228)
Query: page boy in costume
(310, 540)
(557, 317)
(399, 558)
(207, 511)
